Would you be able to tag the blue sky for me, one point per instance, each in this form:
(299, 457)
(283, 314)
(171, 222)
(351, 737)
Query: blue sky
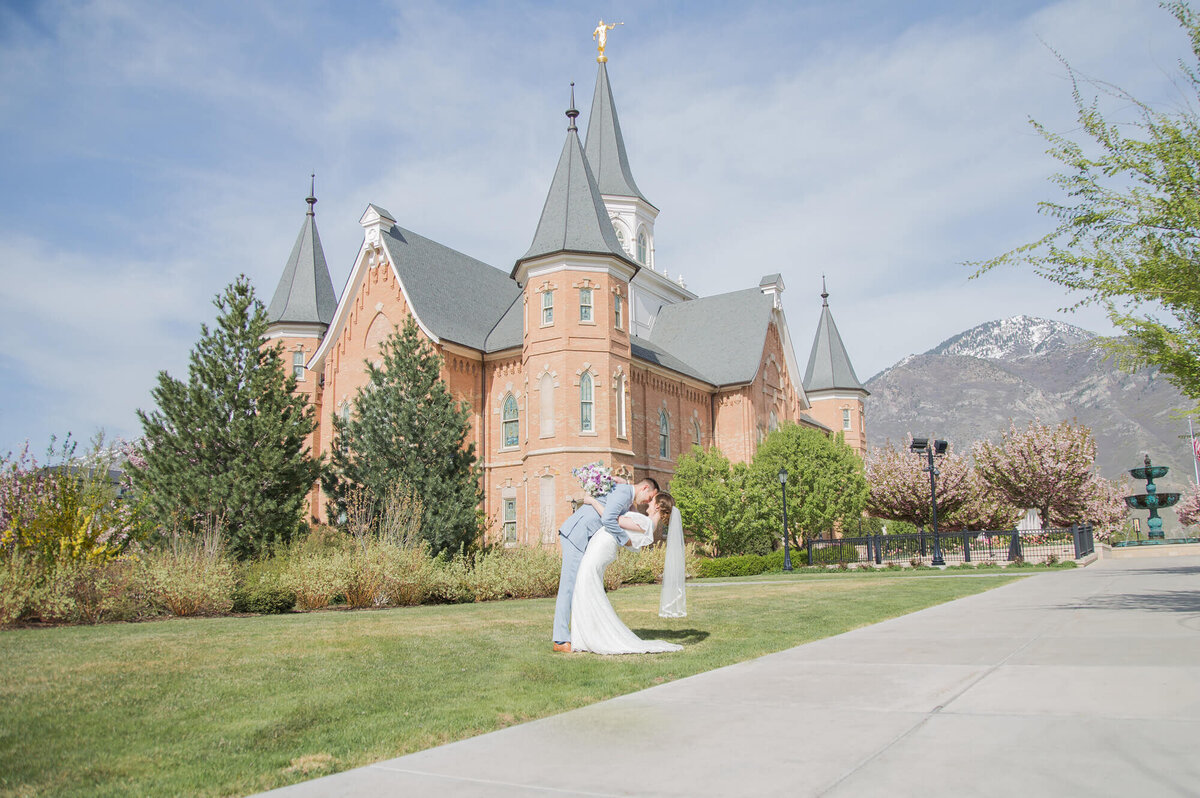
(150, 152)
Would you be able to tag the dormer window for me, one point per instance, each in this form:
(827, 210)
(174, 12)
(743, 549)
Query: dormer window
(641, 248)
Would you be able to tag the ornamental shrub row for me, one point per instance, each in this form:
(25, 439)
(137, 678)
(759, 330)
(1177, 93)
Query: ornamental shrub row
(754, 564)
(328, 568)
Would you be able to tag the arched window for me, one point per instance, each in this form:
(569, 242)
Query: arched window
(664, 435)
(641, 247)
(586, 421)
(621, 432)
(695, 432)
(621, 237)
(773, 424)
(510, 415)
(546, 405)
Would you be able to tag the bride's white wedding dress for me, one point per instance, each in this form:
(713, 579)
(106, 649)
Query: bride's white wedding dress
(595, 626)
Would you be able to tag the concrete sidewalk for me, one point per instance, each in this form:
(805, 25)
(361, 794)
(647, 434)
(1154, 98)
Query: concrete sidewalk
(1083, 682)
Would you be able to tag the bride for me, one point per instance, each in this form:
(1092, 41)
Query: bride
(595, 626)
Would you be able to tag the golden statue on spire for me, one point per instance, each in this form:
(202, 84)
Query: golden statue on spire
(600, 34)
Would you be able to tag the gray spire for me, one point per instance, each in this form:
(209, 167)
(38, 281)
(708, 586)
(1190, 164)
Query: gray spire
(606, 146)
(574, 218)
(305, 292)
(828, 364)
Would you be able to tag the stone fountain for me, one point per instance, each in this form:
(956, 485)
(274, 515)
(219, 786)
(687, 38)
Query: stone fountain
(1151, 500)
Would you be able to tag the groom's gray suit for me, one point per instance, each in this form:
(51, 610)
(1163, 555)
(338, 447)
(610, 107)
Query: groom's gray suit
(573, 537)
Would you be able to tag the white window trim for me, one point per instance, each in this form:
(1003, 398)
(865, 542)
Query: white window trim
(547, 305)
(505, 421)
(590, 402)
(591, 305)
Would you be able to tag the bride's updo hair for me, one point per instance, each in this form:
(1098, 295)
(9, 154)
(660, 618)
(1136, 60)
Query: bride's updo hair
(664, 502)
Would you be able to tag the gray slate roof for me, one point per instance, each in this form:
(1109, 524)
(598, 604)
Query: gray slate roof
(606, 145)
(574, 218)
(459, 298)
(828, 364)
(510, 330)
(719, 337)
(305, 292)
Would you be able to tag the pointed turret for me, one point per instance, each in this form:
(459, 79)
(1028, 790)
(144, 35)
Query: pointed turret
(606, 146)
(305, 292)
(574, 218)
(828, 364)
(834, 391)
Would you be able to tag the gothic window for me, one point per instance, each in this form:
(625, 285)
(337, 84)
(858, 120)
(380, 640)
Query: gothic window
(621, 424)
(695, 432)
(664, 435)
(511, 422)
(641, 247)
(846, 418)
(547, 308)
(585, 304)
(298, 365)
(546, 404)
(586, 421)
(510, 521)
(618, 311)
(773, 423)
(621, 237)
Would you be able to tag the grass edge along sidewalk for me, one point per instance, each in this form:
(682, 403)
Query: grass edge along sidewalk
(228, 706)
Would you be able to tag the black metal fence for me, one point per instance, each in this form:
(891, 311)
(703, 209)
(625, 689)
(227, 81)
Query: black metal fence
(1038, 545)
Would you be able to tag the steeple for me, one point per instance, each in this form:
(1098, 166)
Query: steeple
(829, 366)
(305, 292)
(574, 218)
(606, 145)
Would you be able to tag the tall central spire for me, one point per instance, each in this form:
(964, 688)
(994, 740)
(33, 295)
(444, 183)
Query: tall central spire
(605, 145)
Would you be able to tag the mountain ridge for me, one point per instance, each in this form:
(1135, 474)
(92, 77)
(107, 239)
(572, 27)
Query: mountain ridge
(973, 384)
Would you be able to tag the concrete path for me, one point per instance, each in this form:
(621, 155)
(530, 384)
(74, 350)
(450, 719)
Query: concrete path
(1083, 682)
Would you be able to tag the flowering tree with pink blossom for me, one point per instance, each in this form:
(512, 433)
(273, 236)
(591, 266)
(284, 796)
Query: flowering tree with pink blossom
(985, 508)
(1052, 470)
(1188, 509)
(900, 485)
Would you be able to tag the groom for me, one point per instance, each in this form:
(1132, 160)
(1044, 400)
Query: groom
(574, 536)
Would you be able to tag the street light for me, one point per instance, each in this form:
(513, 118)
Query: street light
(921, 446)
(787, 552)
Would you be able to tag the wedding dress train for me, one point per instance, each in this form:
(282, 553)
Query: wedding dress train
(595, 626)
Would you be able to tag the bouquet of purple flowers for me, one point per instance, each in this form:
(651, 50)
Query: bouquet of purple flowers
(596, 479)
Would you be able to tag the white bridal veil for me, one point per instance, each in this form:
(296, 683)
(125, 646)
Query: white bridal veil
(673, 602)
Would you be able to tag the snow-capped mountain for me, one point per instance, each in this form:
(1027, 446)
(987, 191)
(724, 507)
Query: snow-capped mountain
(970, 386)
(1020, 336)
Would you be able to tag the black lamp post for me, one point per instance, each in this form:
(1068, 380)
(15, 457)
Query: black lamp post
(787, 552)
(923, 446)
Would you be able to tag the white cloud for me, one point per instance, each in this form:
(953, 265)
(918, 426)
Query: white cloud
(157, 151)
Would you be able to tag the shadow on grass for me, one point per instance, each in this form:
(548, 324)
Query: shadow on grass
(684, 637)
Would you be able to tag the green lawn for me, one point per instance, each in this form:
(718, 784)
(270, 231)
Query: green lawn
(228, 706)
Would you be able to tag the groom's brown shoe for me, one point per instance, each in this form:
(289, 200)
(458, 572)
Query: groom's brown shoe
(563, 647)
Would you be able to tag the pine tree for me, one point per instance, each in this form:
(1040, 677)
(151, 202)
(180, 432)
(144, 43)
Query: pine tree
(228, 447)
(406, 431)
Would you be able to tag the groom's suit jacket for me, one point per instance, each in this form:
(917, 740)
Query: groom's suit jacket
(585, 521)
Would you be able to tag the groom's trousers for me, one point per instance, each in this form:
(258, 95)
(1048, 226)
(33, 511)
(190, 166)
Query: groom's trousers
(571, 557)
